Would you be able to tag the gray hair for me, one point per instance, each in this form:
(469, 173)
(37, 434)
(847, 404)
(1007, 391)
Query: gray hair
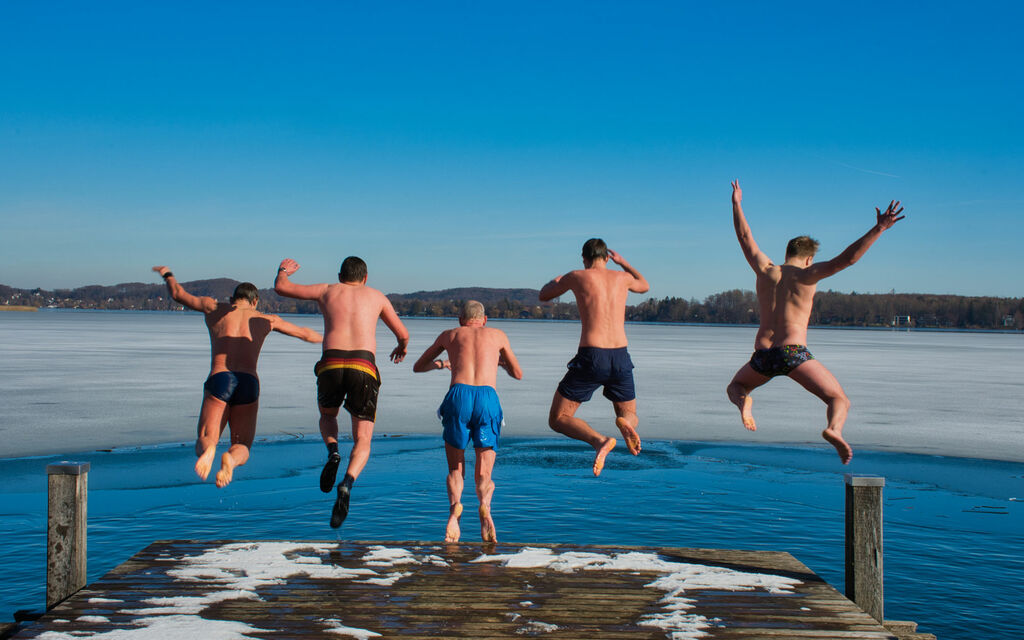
(471, 310)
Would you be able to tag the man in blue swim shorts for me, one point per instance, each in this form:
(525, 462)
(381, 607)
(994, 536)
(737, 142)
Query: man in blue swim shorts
(232, 390)
(602, 359)
(470, 410)
(785, 294)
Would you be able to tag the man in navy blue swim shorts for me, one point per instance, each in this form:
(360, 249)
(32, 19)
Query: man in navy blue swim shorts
(602, 359)
(471, 411)
(232, 390)
(785, 295)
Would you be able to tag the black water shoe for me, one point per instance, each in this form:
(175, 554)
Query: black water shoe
(330, 472)
(340, 510)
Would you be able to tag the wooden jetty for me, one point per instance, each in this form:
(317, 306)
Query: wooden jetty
(418, 590)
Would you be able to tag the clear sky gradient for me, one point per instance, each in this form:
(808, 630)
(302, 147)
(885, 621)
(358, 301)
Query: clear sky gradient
(481, 143)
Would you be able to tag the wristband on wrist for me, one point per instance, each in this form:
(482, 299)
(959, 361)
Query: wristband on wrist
(166, 275)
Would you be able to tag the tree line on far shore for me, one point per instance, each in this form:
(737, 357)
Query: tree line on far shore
(737, 306)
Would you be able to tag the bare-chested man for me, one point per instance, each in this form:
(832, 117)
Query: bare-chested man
(347, 373)
(602, 359)
(232, 390)
(471, 409)
(785, 294)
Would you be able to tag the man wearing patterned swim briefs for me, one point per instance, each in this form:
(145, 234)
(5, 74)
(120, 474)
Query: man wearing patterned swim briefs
(471, 410)
(232, 390)
(602, 359)
(347, 374)
(785, 294)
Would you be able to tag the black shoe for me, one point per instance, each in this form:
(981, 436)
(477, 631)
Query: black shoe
(340, 510)
(330, 472)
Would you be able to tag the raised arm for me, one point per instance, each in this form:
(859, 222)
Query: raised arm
(429, 360)
(555, 288)
(756, 258)
(204, 304)
(393, 322)
(294, 330)
(639, 283)
(507, 361)
(856, 251)
(285, 287)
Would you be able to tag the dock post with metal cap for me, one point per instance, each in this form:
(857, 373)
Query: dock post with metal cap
(66, 530)
(864, 543)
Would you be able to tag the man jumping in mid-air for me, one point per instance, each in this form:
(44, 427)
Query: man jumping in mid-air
(347, 373)
(232, 390)
(471, 410)
(602, 359)
(785, 294)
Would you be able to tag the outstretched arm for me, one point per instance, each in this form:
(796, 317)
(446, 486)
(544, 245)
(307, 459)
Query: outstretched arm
(855, 251)
(393, 322)
(639, 284)
(204, 304)
(285, 287)
(294, 330)
(507, 361)
(555, 288)
(756, 258)
(429, 360)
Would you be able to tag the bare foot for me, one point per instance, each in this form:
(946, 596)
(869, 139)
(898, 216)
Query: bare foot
(205, 462)
(487, 532)
(629, 434)
(452, 531)
(227, 469)
(747, 414)
(842, 448)
(602, 452)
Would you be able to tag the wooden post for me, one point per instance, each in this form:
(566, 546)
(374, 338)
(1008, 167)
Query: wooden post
(65, 530)
(864, 543)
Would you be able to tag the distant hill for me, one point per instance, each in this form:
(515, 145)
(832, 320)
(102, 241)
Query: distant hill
(483, 295)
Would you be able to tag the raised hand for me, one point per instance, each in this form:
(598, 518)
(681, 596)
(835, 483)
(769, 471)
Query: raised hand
(616, 258)
(289, 266)
(891, 215)
(737, 193)
(161, 270)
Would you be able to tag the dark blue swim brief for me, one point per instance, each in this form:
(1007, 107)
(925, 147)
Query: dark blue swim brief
(594, 367)
(233, 387)
(779, 361)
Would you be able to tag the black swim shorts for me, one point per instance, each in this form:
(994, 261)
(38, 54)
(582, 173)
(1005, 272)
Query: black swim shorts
(594, 367)
(779, 361)
(233, 387)
(348, 378)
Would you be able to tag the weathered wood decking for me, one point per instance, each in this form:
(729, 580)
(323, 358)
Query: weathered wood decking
(415, 590)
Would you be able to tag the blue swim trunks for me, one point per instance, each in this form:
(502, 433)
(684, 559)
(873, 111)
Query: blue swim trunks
(594, 367)
(470, 411)
(779, 361)
(233, 387)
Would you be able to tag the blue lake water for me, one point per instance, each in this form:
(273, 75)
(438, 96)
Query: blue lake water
(954, 526)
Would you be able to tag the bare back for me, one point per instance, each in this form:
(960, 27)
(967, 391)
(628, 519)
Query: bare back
(601, 300)
(474, 353)
(794, 297)
(236, 337)
(350, 314)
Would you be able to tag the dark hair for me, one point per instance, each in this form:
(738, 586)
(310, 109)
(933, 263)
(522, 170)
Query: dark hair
(801, 246)
(594, 248)
(246, 291)
(353, 269)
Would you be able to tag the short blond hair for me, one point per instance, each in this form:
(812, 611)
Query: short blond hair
(471, 310)
(801, 247)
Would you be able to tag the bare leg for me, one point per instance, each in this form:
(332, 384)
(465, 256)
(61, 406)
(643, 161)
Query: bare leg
(485, 491)
(362, 434)
(213, 415)
(562, 419)
(242, 420)
(626, 420)
(455, 482)
(813, 376)
(328, 424)
(745, 381)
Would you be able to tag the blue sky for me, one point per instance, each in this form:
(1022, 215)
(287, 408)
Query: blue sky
(479, 144)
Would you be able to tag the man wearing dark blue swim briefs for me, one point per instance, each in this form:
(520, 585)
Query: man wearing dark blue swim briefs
(785, 295)
(232, 390)
(602, 359)
(471, 410)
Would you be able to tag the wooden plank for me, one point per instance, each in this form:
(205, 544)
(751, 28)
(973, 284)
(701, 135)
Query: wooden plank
(463, 598)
